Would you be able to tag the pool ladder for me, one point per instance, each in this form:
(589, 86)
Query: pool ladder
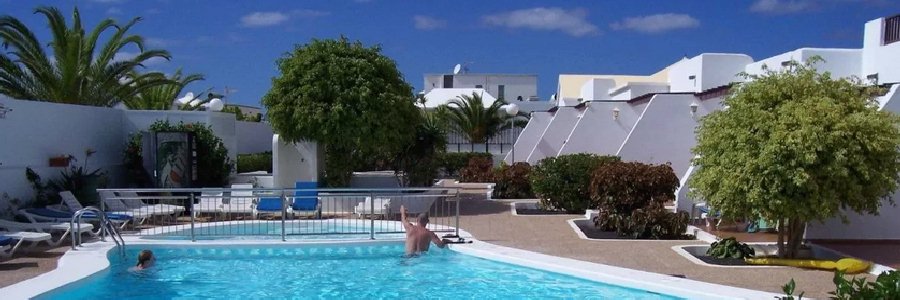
(106, 228)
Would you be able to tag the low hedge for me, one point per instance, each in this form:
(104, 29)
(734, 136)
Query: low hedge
(453, 162)
(513, 182)
(254, 162)
(563, 182)
(479, 169)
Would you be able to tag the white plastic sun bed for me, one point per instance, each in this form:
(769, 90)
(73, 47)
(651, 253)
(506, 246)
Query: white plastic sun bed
(65, 228)
(20, 237)
(72, 203)
(241, 202)
(133, 201)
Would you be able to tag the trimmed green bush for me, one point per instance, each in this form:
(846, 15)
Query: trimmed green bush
(730, 248)
(563, 182)
(479, 169)
(254, 162)
(513, 182)
(631, 197)
(453, 162)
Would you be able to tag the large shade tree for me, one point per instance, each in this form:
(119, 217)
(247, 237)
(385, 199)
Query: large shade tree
(478, 121)
(80, 70)
(795, 146)
(348, 97)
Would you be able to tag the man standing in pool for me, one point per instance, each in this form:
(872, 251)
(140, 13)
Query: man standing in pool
(418, 237)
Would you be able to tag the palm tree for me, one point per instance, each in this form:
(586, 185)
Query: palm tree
(469, 116)
(78, 71)
(160, 97)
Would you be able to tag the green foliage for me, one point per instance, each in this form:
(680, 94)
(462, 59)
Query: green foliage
(886, 286)
(650, 222)
(254, 162)
(419, 161)
(730, 248)
(213, 164)
(788, 290)
(160, 97)
(452, 162)
(797, 146)
(632, 196)
(79, 70)
(479, 169)
(76, 179)
(240, 116)
(622, 187)
(563, 182)
(12, 206)
(345, 96)
(513, 182)
(469, 116)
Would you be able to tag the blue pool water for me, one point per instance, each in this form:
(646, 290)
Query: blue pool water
(294, 230)
(354, 271)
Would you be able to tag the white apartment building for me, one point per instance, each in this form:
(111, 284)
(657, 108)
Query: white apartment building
(653, 118)
(509, 87)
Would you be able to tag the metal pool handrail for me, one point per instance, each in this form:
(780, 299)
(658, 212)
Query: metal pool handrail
(338, 203)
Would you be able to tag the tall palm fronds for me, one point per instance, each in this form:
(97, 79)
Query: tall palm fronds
(160, 97)
(469, 116)
(78, 71)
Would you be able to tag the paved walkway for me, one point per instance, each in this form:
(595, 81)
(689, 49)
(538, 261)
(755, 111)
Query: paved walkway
(492, 222)
(29, 263)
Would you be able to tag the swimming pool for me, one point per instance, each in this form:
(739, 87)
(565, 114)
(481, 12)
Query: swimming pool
(334, 229)
(369, 271)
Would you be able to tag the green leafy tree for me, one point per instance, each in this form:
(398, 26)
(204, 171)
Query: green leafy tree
(240, 116)
(79, 71)
(421, 159)
(160, 97)
(476, 120)
(347, 97)
(796, 146)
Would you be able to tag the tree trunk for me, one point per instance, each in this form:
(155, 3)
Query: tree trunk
(781, 232)
(796, 237)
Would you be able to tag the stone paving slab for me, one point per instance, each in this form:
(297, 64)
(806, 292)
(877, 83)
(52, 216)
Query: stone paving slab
(491, 221)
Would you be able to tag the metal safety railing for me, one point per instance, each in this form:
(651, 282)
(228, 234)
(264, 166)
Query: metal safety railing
(106, 228)
(322, 213)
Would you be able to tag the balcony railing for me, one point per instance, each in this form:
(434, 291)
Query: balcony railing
(891, 30)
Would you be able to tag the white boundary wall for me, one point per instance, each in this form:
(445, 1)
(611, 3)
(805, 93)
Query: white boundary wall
(34, 131)
(530, 135)
(598, 131)
(551, 141)
(253, 137)
(665, 132)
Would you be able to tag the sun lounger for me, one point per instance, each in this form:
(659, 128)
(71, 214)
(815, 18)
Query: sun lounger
(72, 203)
(65, 228)
(382, 207)
(241, 202)
(38, 215)
(209, 203)
(306, 200)
(133, 201)
(271, 205)
(33, 237)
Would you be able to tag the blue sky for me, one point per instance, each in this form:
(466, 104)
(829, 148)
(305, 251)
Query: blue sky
(235, 43)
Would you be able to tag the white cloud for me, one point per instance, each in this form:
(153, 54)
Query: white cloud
(262, 19)
(428, 23)
(657, 23)
(271, 18)
(572, 22)
(113, 11)
(781, 6)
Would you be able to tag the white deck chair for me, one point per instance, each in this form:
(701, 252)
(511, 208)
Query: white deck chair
(65, 228)
(72, 203)
(209, 203)
(241, 202)
(133, 201)
(417, 203)
(382, 207)
(20, 236)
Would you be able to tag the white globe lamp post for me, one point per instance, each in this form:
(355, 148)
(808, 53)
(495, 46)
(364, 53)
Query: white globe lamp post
(512, 110)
